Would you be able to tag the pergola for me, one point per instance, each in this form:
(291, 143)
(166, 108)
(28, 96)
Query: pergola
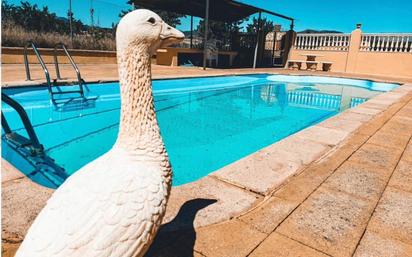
(219, 10)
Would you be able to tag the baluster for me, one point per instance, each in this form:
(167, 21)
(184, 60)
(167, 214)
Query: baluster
(332, 42)
(320, 42)
(405, 46)
(393, 45)
(369, 43)
(388, 43)
(378, 46)
(304, 42)
(362, 44)
(315, 42)
(339, 42)
(310, 42)
(400, 49)
(301, 42)
(410, 44)
(383, 42)
(373, 43)
(336, 42)
(397, 46)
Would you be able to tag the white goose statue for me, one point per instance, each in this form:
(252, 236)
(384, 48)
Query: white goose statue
(114, 205)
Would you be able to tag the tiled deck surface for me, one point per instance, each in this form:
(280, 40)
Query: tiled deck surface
(355, 201)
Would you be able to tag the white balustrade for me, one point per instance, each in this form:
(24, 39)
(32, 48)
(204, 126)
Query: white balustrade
(336, 42)
(398, 43)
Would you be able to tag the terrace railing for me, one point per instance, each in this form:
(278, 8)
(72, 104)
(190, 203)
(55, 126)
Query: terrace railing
(401, 43)
(332, 42)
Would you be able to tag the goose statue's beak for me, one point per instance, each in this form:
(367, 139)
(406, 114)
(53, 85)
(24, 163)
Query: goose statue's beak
(170, 35)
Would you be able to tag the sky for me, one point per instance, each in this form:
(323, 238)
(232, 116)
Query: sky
(374, 15)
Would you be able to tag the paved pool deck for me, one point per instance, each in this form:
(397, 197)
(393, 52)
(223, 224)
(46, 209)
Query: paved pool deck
(14, 74)
(340, 188)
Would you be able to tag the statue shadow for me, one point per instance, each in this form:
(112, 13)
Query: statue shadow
(178, 237)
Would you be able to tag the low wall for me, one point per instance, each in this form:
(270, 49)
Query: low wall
(338, 58)
(390, 64)
(372, 54)
(14, 55)
(372, 63)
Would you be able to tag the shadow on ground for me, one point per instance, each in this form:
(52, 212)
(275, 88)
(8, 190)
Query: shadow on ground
(177, 238)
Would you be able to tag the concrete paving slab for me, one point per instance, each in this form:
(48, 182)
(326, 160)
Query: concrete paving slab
(330, 221)
(298, 149)
(407, 155)
(22, 200)
(359, 180)
(397, 127)
(281, 246)
(377, 156)
(261, 172)
(205, 202)
(402, 177)
(390, 140)
(337, 122)
(373, 245)
(392, 217)
(323, 135)
(230, 239)
(365, 110)
(303, 185)
(8, 172)
(269, 214)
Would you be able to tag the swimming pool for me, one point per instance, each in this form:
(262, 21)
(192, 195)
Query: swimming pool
(206, 123)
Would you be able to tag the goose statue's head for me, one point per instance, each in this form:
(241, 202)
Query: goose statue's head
(145, 28)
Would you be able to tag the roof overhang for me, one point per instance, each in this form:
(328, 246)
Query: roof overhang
(219, 10)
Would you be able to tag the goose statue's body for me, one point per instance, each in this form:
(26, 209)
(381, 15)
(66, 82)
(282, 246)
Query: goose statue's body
(114, 205)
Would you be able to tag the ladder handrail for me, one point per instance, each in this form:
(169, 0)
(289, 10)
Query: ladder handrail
(24, 118)
(76, 69)
(40, 59)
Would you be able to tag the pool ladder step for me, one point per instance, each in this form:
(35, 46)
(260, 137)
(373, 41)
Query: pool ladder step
(30, 147)
(51, 84)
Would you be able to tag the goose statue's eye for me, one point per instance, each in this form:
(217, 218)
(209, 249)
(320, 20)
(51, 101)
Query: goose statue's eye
(151, 20)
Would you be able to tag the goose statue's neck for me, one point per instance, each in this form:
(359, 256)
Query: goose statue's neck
(138, 129)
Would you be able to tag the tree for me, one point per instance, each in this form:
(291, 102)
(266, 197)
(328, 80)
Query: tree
(267, 26)
(32, 18)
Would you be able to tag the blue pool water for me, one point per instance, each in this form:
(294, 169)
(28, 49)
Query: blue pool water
(206, 123)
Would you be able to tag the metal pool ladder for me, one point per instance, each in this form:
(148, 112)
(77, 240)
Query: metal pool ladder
(30, 148)
(50, 84)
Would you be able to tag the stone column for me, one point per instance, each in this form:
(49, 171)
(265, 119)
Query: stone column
(354, 44)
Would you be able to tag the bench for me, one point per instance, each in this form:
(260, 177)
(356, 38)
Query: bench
(311, 65)
(295, 64)
(326, 66)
